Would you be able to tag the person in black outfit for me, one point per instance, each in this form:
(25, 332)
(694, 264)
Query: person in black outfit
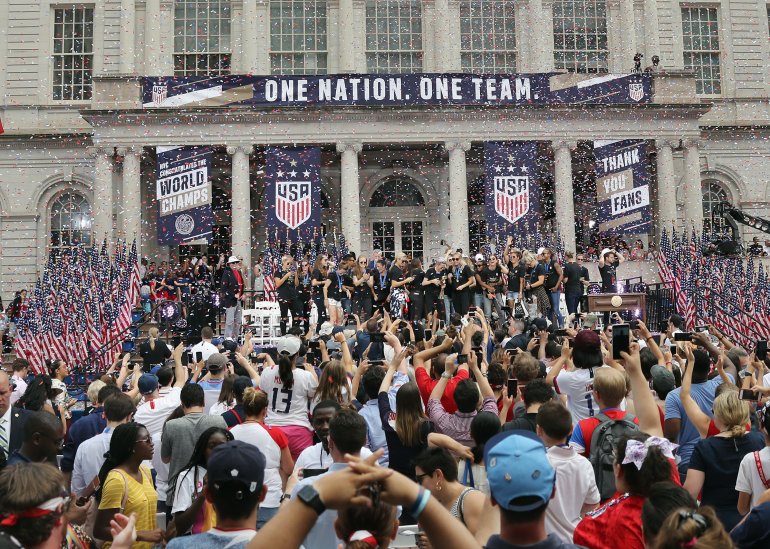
(573, 283)
(490, 279)
(553, 279)
(517, 275)
(340, 284)
(608, 265)
(416, 290)
(381, 288)
(398, 286)
(320, 283)
(433, 283)
(304, 296)
(153, 351)
(287, 291)
(461, 279)
(231, 287)
(362, 289)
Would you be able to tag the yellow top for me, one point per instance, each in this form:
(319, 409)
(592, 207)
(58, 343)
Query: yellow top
(140, 498)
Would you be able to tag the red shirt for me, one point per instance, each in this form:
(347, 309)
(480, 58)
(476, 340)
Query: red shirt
(426, 385)
(509, 417)
(617, 523)
(239, 279)
(713, 431)
(586, 428)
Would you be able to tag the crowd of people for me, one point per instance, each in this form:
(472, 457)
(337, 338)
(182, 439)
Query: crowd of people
(431, 408)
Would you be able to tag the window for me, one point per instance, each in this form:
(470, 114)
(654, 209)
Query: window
(298, 36)
(700, 32)
(70, 220)
(714, 193)
(393, 36)
(580, 35)
(73, 53)
(201, 37)
(488, 36)
(412, 238)
(396, 192)
(477, 234)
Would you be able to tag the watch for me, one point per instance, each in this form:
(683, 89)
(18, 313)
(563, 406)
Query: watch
(446, 375)
(285, 496)
(745, 373)
(310, 497)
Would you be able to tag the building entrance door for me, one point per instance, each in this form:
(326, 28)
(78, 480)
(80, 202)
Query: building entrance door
(394, 236)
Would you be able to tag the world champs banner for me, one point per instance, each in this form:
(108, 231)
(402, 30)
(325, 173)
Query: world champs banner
(293, 192)
(622, 187)
(511, 187)
(183, 190)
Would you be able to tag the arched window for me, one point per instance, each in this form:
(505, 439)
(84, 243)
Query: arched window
(70, 220)
(202, 37)
(713, 194)
(396, 192)
(580, 36)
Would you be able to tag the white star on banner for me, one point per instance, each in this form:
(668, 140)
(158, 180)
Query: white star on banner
(510, 168)
(497, 169)
(279, 173)
(293, 163)
(524, 169)
(293, 173)
(306, 174)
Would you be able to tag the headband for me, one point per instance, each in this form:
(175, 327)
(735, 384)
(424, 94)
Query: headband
(636, 451)
(46, 508)
(365, 536)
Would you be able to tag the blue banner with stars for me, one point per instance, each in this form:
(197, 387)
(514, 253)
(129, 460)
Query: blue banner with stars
(293, 204)
(511, 187)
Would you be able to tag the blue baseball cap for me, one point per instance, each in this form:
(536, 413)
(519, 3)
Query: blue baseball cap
(520, 476)
(237, 460)
(148, 383)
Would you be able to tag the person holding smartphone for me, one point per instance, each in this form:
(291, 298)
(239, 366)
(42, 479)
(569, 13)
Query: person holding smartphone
(205, 348)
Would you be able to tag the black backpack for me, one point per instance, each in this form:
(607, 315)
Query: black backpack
(603, 442)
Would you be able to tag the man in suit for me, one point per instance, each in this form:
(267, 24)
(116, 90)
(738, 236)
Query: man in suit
(12, 421)
(232, 287)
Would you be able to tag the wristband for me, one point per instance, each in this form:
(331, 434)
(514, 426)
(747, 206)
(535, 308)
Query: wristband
(420, 503)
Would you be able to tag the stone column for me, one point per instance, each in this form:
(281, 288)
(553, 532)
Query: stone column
(563, 195)
(127, 32)
(102, 206)
(540, 35)
(152, 39)
(666, 185)
(692, 190)
(628, 47)
(132, 195)
(255, 37)
(651, 34)
(347, 34)
(447, 36)
(241, 203)
(350, 203)
(458, 194)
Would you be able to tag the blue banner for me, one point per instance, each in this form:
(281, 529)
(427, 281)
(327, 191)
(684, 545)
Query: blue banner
(511, 188)
(183, 190)
(293, 193)
(622, 187)
(395, 90)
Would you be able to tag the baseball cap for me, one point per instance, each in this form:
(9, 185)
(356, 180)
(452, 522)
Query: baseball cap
(288, 345)
(663, 381)
(154, 369)
(479, 257)
(233, 259)
(587, 341)
(326, 329)
(518, 471)
(540, 323)
(216, 362)
(540, 251)
(230, 344)
(148, 383)
(440, 260)
(237, 461)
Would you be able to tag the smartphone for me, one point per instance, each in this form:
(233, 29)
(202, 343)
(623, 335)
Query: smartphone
(187, 358)
(314, 344)
(513, 352)
(656, 338)
(561, 332)
(376, 363)
(441, 324)
(634, 324)
(175, 341)
(761, 350)
(683, 336)
(462, 359)
(701, 328)
(471, 310)
(427, 335)
(253, 357)
(746, 394)
(513, 387)
(621, 340)
(198, 356)
(378, 337)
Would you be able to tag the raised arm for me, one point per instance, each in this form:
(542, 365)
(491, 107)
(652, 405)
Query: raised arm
(180, 371)
(644, 402)
(694, 413)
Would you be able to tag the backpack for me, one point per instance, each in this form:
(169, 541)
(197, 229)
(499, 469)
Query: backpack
(603, 442)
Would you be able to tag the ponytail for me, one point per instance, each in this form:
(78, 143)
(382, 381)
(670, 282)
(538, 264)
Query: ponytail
(285, 370)
(696, 529)
(121, 447)
(153, 333)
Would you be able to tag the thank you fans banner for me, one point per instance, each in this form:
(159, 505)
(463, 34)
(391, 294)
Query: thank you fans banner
(622, 187)
(293, 201)
(394, 90)
(512, 190)
(183, 190)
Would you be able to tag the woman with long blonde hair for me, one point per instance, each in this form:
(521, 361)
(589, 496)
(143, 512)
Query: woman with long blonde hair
(716, 460)
(153, 351)
(362, 289)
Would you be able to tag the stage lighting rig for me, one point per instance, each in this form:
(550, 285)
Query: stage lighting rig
(733, 216)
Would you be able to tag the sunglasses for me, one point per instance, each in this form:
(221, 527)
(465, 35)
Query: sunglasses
(419, 478)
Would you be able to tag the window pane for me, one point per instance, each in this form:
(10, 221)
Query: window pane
(488, 36)
(580, 35)
(700, 39)
(301, 46)
(394, 36)
(70, 220)
(201, 37)
(72, 53)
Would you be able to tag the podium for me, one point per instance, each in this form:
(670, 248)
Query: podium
(602, 303)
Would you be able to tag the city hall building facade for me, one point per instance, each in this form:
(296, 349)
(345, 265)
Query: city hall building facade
(78, 155)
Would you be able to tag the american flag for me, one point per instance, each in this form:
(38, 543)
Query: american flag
(268, 268)
(81, 308)
(663, 258)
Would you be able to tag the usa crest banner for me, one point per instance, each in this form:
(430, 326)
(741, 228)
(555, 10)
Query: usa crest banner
(511, 187)
(293, 194)
(622, 187)
(183, 191)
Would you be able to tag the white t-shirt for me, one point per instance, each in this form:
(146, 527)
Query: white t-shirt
(748, 480)
(153, 414)
(189, 484)
(161, 469)
(288, 406)
(315, 457)
(206, 348)
(578, 386)
(89, 459)
(220, 408)
(258, 435)
(21, 388)
(575, 486)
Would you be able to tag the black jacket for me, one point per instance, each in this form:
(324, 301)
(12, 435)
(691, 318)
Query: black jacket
(18, 419)
(229, 287)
